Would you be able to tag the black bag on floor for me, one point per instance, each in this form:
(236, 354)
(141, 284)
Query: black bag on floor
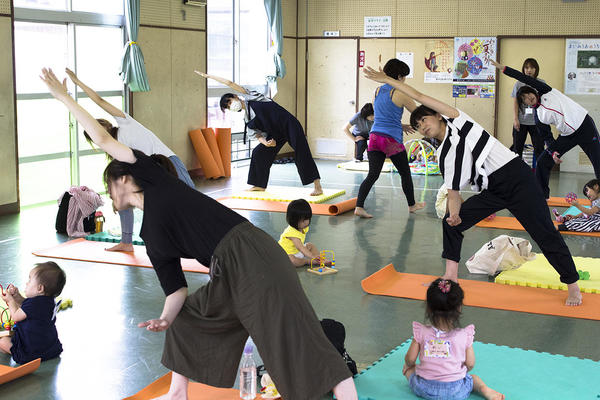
(89, 222)
(336, 333)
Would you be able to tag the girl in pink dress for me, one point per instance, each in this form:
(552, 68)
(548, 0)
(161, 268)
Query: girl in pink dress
(445, 350)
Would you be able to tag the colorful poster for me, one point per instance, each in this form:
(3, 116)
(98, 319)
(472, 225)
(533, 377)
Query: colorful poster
(378, 26)
(438, 61)
(485, 91)
(472, 57)
(409, 59)
(582, 66)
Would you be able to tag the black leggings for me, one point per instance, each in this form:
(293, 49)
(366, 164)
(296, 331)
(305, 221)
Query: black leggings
(519, 137)
(376, 160)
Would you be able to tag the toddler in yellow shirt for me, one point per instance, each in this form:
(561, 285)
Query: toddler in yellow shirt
(298, 217)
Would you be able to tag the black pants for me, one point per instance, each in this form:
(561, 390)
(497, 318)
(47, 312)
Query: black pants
(263, 157)
(376, 160)
(513, 187)
(360, 147)
(519, 137)
(586, 137)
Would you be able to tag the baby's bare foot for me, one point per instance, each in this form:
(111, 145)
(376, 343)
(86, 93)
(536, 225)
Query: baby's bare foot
(127, 247)
(491, 394)
(362, 213)
(416, 207)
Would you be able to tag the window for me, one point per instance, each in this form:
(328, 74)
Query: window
(53, 153)
(238, 41)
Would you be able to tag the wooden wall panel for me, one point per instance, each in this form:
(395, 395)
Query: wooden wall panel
(8, 156)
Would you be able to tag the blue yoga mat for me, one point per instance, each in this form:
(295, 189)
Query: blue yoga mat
(572, 211)
(518, 373)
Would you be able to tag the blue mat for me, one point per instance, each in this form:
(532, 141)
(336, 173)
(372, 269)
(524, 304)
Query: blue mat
(518, 373)
(572, 211)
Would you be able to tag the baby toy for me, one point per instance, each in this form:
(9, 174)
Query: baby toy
(490, 217)
(321, 265)
(584, 275)
(570, 197)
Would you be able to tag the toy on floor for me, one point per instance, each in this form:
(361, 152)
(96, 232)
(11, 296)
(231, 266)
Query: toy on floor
(490, 217)
(268, 390)
(63, 304)
(570, 197)
(583, 275)
(421, 157)
(322, 265)
(6, 324)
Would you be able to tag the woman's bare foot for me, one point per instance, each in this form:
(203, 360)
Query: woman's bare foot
(362, 213)
(575, 298)
(491, 394)
(256, 189)
(128, 247)
(318, 189)
(416, 207)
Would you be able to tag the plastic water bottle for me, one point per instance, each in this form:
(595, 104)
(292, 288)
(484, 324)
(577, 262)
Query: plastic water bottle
(248, 374)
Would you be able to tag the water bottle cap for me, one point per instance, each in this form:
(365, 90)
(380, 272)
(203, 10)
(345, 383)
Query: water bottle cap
(248, 349)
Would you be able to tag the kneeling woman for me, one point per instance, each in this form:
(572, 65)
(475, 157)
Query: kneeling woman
(470, 155)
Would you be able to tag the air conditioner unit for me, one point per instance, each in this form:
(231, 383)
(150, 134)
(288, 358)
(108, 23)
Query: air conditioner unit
(197, 3)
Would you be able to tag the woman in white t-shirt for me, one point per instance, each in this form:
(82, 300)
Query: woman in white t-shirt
(136, 136)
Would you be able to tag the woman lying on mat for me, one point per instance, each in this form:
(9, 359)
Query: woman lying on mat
(273, 126)
(135, 135)
(253, 290)
(470, 155)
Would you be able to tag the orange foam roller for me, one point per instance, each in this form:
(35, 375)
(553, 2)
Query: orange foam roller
(224, 143)
(209, 165)
(211, 140)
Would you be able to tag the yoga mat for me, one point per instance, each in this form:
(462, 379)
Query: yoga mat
(572, 211)
(224, 143)
(288, 193)
(281, 206)
(211, 140)
(388, 282)
(8, 374)
(86, 250)
(108, 238)
(363, 166)
(512, 224)
(196, 391)
(561, 202)
(539, 273)
(519, 374)
(209, 165)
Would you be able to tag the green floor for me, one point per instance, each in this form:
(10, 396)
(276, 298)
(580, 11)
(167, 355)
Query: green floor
(107, 357)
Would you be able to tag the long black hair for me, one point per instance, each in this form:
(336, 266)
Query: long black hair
(116, 169)
(366, 110)
(444, 303)
(593, 184)
(298, 210)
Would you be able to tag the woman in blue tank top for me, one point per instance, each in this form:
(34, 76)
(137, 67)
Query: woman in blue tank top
(386, 138)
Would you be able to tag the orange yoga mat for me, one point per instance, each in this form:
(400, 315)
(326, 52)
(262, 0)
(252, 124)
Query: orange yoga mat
(561, 202)
(8, 374)
(209, 165)
(224, 144)
(513, 224)
(211, 140)
(281, 206)
(389, 282)
(196, 391)
(87, 250)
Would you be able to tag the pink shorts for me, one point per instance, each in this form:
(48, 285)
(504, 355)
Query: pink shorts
(384, 144)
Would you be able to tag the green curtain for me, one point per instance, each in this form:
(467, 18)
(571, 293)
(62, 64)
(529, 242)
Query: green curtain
(133, 70)
(273, 8)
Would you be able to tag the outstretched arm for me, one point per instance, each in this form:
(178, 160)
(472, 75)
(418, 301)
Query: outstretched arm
(226, 82)
(434, 104)
(540, 86)
(105, 105)
(97, 133)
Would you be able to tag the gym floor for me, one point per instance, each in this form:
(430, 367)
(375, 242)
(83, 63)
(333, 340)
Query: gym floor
(107, 357)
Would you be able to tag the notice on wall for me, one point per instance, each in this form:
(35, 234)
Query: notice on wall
(438, 61)
(582, 66)
(474, 75)
(409, 59)
(378, 26)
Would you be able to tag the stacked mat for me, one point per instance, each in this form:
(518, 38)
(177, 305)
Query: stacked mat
(213, 151)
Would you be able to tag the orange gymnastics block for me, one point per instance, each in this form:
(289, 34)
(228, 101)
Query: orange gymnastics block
(224, 143)
(281, 206)
(8, 374)
(389, 282)
(209, 165)
(211, 140)
(561, 202)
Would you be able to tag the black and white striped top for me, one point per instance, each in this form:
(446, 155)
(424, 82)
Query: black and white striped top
(468, 154)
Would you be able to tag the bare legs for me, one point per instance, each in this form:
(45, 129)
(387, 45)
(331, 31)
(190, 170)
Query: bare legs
(345, 390)
(5, 344)
(318, 189)
(484, 390)
(301, 262)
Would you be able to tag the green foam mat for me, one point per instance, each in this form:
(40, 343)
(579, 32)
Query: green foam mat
(518, 373)
(107, 237)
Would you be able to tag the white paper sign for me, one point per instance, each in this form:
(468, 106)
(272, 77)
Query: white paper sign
(409, 59)
(582, 66)
(378, 26)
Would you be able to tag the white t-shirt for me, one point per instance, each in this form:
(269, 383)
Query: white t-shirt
(136, 136)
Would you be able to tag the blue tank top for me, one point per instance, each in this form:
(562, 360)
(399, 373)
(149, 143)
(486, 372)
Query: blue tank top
(388, 116)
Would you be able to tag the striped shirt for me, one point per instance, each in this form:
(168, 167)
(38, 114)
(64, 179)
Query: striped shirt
(468, 154)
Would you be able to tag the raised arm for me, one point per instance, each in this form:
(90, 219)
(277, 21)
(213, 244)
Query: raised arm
(538, 85)
(226, 82)
(97, 133)
(434, 104)
(105, 105)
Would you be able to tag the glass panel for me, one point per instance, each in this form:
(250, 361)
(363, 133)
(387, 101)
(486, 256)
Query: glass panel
(97, 112)
(37, 46)
(253, 42)
(91, 168)
(43, 127)
(99, 51)
(43, 180)
(42, 4)
(114, 7)
(220, 40)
